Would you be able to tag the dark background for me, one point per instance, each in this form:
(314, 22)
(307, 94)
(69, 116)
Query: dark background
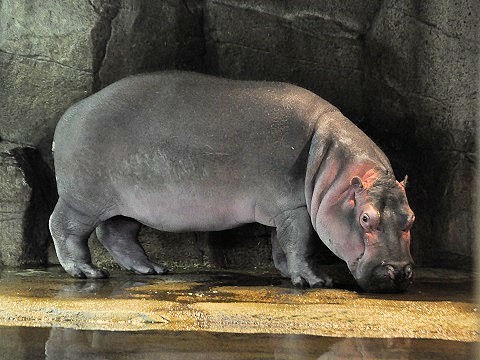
(404, 71)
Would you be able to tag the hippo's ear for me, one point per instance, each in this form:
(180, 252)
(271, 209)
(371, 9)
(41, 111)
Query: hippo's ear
(356, 183)
(404, 182)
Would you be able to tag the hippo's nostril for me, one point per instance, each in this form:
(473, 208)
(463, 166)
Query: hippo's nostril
(389, 277)
(408, 271)
(390, 271)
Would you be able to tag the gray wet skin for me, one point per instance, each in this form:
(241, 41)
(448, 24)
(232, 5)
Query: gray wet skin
(182, 151)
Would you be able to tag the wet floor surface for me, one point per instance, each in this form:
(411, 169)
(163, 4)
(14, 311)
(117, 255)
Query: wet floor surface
(232, 316)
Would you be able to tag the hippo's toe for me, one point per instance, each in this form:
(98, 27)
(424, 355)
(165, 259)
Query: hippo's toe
(147, 267)
(83, 271)
(324, 281)
(299, 282)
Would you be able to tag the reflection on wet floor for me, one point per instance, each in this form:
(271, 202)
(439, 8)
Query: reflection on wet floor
(430, 285)
(60, 343)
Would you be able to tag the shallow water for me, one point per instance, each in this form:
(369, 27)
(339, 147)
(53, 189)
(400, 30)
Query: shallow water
(430, 285)
(60, 343)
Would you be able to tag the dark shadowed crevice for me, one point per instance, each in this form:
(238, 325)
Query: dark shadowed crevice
(200, 7)
(190, 36)
(101, 33)
(40, 179)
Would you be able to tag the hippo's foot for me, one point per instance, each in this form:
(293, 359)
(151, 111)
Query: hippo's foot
(70, 230)
(306, 278)
(119, 236)
(85, 271)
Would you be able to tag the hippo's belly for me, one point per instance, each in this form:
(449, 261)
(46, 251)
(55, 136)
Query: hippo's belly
(181, 209)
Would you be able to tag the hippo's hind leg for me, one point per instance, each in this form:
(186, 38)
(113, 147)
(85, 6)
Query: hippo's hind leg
(294, 234)
(70, 230)
(119, 236)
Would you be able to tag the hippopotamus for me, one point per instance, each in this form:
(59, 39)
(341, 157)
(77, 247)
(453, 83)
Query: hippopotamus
(181, 151)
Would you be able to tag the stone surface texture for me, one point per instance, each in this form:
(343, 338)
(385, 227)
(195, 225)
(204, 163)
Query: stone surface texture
(404, 71)
(151, 35)
(422, 73)
(46, 65)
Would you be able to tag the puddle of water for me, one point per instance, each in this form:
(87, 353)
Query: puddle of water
(53, 282)
(60, 343)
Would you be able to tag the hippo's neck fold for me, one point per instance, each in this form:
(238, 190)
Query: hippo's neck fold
(339, 151)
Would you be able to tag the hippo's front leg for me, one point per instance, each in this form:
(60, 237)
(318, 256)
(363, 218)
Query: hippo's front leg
(294, 234)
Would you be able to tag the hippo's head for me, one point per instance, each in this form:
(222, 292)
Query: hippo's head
(373, 236)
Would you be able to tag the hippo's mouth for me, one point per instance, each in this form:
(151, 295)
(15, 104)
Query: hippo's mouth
(373, 275)
(382, 283)
(384, 278)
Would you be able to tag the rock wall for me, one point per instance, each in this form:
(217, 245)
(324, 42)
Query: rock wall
(423, 73)
(26, 199)
(405, 71)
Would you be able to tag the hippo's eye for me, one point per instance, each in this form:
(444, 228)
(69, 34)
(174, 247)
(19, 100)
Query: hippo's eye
(369, 219)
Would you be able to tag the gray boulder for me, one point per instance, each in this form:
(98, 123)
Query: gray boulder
(45, 62)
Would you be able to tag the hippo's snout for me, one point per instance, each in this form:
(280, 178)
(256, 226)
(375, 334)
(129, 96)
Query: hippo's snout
(389, 277)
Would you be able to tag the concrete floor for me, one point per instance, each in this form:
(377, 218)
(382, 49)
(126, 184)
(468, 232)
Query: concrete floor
(440, 305)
